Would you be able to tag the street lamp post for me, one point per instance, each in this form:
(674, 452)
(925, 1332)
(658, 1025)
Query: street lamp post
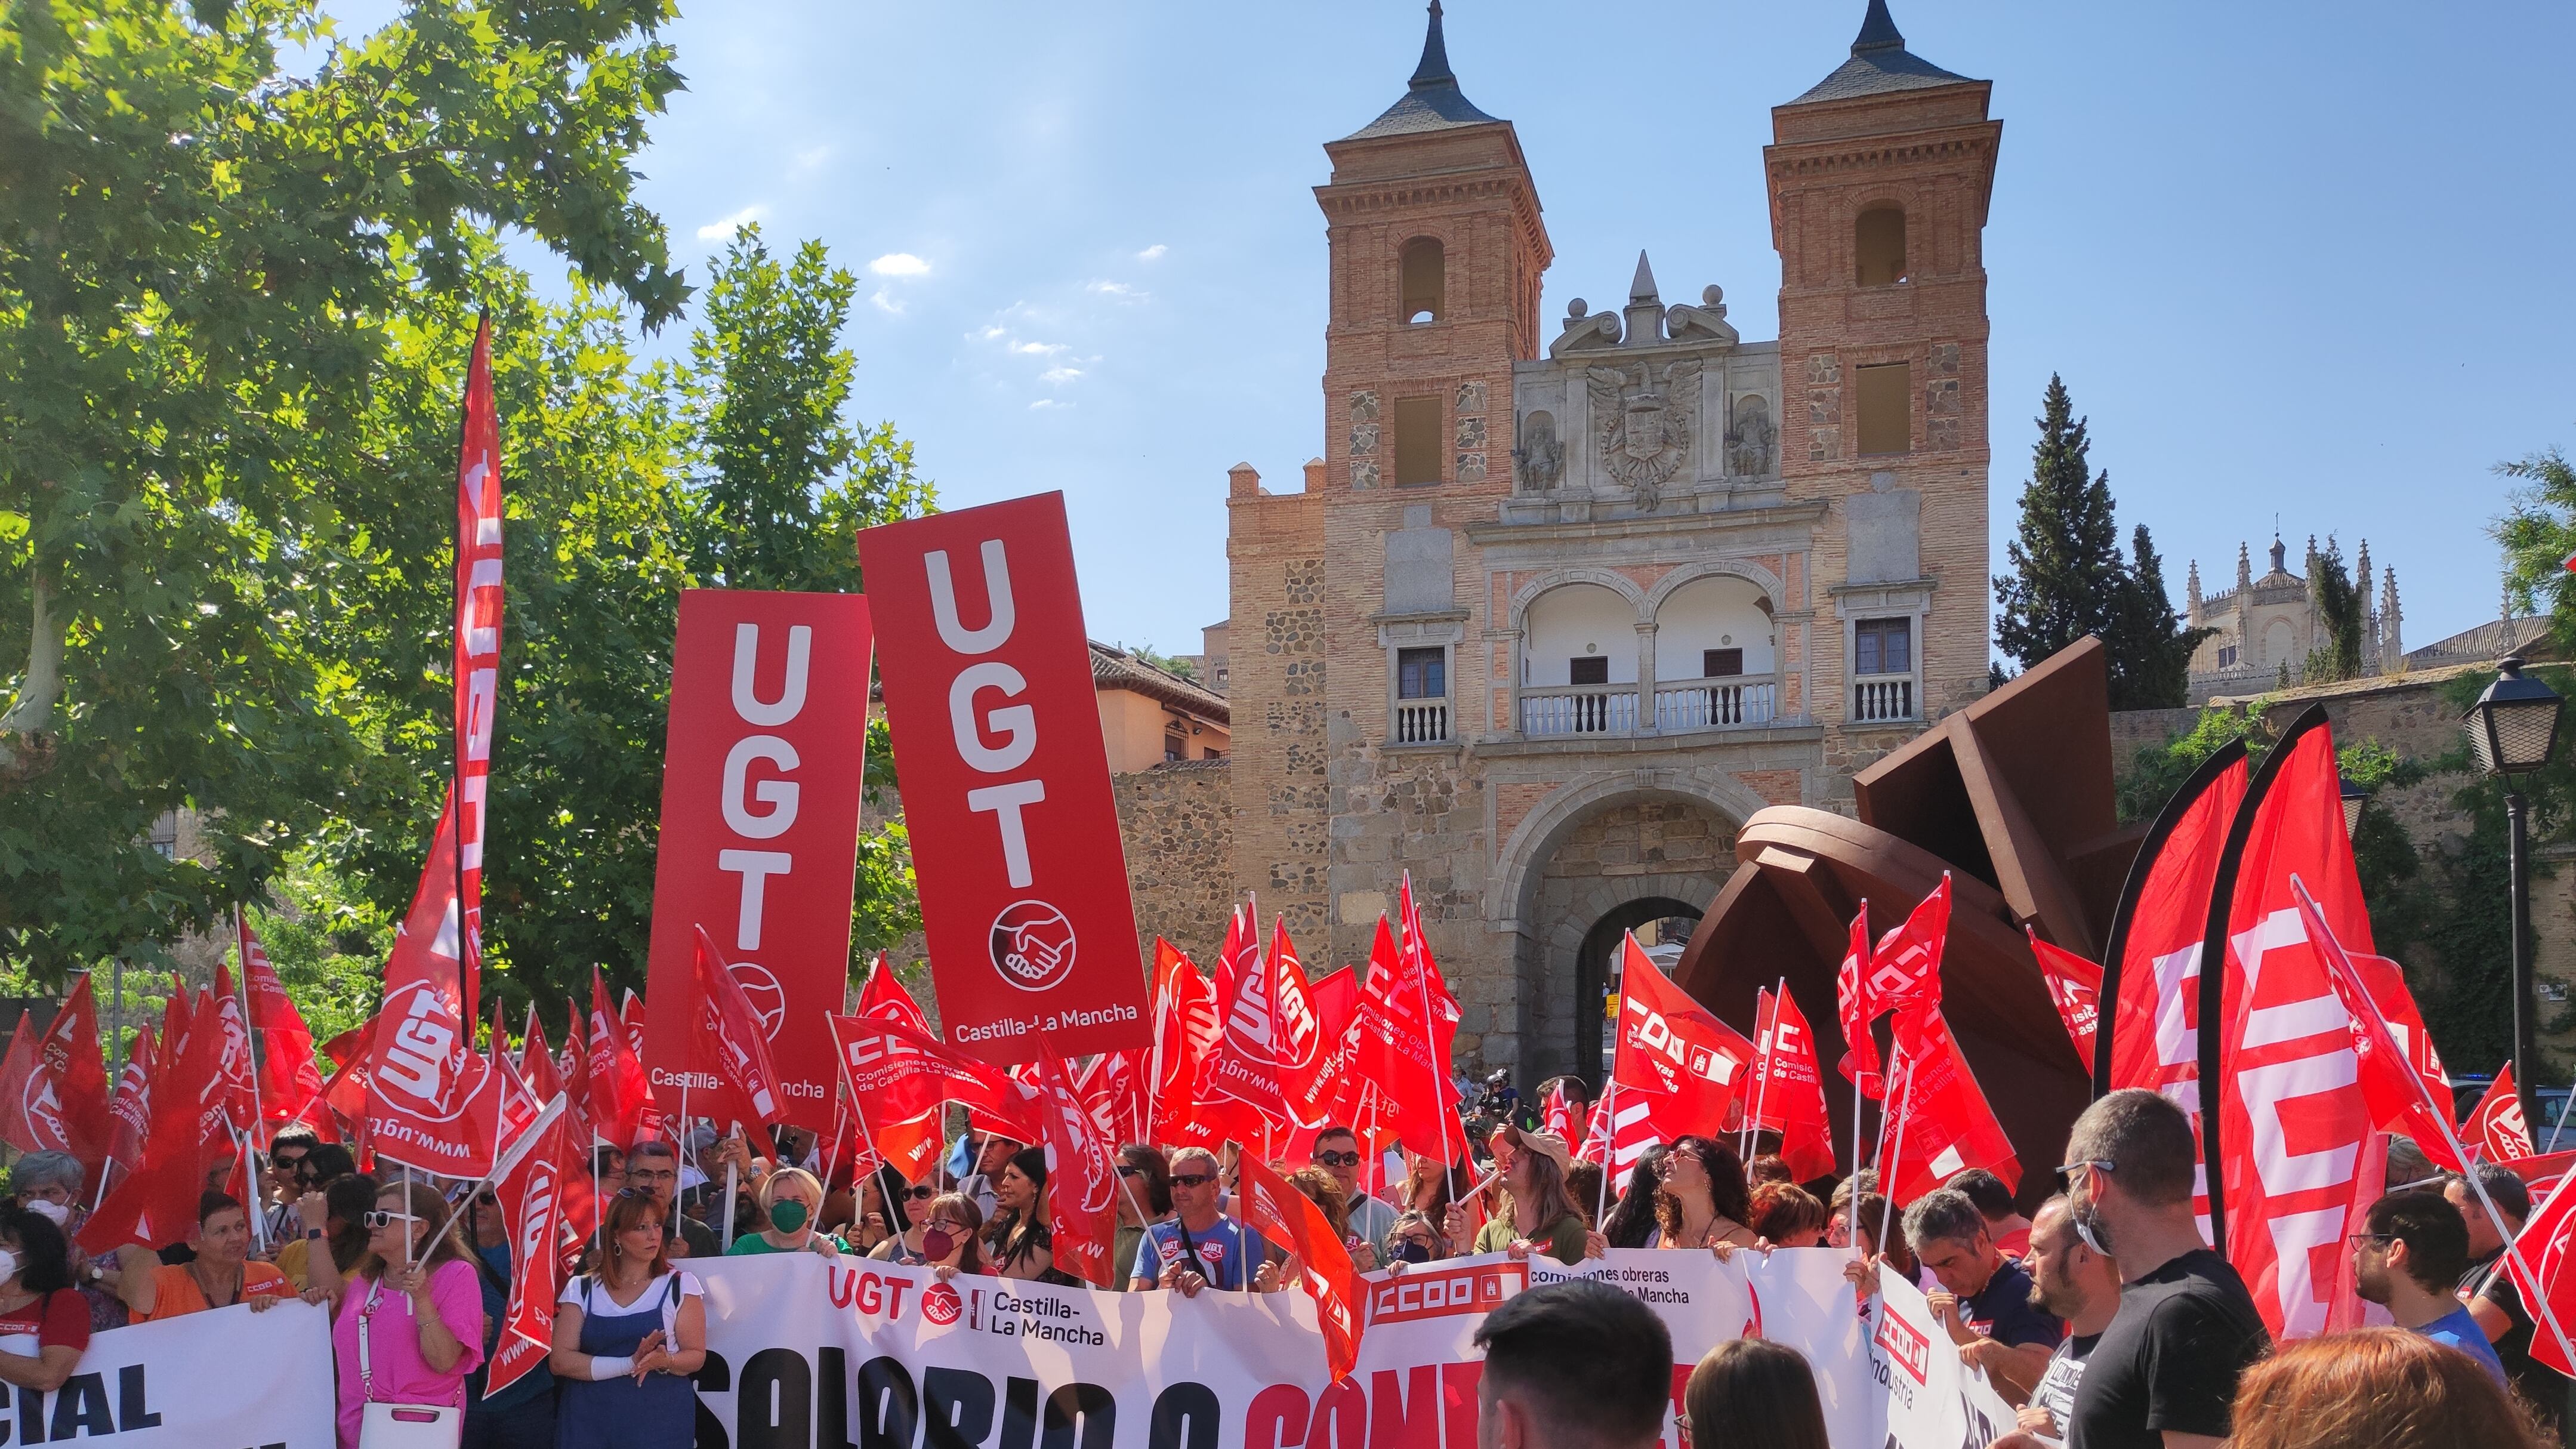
(2513, 730)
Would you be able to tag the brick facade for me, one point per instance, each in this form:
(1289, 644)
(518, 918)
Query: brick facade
(1625, 605)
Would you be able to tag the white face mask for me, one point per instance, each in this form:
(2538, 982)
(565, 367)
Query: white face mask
(8, 1265)
(61, 1215)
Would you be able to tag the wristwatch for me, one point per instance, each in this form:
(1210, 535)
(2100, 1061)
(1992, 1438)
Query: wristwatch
(313, 1234)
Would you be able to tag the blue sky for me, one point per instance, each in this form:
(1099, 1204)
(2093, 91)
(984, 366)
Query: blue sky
(2308, 259)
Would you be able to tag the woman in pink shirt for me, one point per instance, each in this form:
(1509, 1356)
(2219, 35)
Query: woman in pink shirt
(406, 1335)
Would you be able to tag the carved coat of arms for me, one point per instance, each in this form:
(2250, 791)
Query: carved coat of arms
(1644, 427)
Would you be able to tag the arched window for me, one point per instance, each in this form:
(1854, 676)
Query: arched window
(1424, 280)
(1878, 246)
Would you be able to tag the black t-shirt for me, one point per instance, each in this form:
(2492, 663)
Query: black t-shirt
(2056, 1390)
(2184, 1335)
(2002, 1311)
(700, 1238)
(2536, 1382)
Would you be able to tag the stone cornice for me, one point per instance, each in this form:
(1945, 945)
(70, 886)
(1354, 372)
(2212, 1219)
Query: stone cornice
(1489, 534)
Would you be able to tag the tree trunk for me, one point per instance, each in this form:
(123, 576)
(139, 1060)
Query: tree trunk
(33, 710)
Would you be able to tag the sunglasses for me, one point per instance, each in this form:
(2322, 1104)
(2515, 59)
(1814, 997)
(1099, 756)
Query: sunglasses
(1337, 1159)
(1192, 1179)
(1131, 1172)
(382, 1219)
(921, 1194)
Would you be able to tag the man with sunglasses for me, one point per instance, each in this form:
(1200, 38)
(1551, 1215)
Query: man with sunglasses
(1337, 1151)
(1200, 1247)
(286, 1155)
(2163, 1375)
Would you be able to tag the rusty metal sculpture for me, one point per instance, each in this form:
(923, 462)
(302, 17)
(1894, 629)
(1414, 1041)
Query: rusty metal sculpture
(2013, 796)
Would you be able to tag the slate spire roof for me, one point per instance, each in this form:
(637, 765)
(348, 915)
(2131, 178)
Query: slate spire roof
(1879, 63)
(1433, 102)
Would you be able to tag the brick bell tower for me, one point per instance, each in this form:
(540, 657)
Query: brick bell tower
(1879, 178)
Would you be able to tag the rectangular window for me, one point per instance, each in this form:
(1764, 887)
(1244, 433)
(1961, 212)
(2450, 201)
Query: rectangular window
(1720, 663)
(1176, 746)
(1883, 646)
(1211, 752)
(2226, 656)
(1422, 673)
(1417, 440)
(1593, 669)
(1887, 408)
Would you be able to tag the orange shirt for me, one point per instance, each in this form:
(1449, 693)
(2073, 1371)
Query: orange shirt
(175, 1290)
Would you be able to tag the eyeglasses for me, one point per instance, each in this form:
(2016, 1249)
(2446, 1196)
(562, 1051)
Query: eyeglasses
(2383, 1239)
(382, 1219)
(1192, 1179)
(2090, 1164)
(1337, 1159)
(921, 1194)
(950, 1226)
(653, 1174)
(1131, 1172)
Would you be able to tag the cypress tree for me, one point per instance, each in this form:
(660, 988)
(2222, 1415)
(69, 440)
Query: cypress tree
(2067, 576)
(2150, 650)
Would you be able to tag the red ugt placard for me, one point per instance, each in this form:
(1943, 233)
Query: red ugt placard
(987, 678)
(760, 831)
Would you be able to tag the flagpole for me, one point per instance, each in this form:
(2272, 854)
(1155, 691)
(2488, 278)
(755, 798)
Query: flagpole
(1763, 1054)
(1895, 1158)
(1609, 1148)
(1431, 1051)
(250, 1035)
(2450, 1133)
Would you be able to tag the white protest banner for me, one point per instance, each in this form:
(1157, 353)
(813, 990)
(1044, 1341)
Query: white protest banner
(1933, 1400)
(1800, 1298)
(1702, 1302)
(1415, 1382)
(222, 1378)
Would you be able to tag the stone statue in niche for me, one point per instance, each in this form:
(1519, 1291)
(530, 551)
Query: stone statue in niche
(1750, 441)
(1703, 323)
(1644, 432)
(1538, 464)
(1585, 328)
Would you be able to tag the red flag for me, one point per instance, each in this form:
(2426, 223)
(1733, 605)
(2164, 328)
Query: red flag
(1239, 1093)
(901, 1074)
(884, 998)
(1186, 1029)
(745, 1084)
(432, 1101)
(577, 1065)
(1673, 1057)
(15, 1070)
(60, 1104)
(2385, 980)
(241, 1096)
(1556, 1116)
(2292, 1115)
(2075, 984)
(1905, 966)
(910, 1144)
(344, 1092)
(1857, 1006)
(617, 1090)
(1789, 1092)
(157, 1202)
(2389, 1083)
(534, 1194)
(288, 1080)
(1944, 1125)
(1082, 1178)
(2547, 1241)
(536, 1064)
(630, 1015)
(1402, 1048)
(477, 666)
(1289, 1218)
(2496, 1128)
(130, 1113)
(1299, 1048)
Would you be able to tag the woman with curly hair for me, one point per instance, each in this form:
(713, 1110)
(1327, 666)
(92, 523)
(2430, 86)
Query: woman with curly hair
(1704, 1201)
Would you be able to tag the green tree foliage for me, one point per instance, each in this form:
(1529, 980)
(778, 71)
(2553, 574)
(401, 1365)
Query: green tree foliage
(203, 261)
(2538, 532)
(626, 483)
(2339, 609)
(2068, 578)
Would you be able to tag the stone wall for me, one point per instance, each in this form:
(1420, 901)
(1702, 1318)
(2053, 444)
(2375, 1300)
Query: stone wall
(1176, 822)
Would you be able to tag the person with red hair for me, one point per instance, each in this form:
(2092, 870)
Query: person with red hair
(2376, 1388)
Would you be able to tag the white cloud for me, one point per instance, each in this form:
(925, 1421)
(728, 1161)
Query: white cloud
(1037, 349)
(1059, 375)
(899, 264)
(886, 301)
(723, 228)
(987, 332)
(1119, 290)
(1047, 402)
(810, 160)
(1152, 253)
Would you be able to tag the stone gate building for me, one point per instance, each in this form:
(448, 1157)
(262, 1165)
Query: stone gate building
(1560, 606)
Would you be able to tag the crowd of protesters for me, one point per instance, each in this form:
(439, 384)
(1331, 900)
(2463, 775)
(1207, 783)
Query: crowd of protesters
(2101, 1317)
